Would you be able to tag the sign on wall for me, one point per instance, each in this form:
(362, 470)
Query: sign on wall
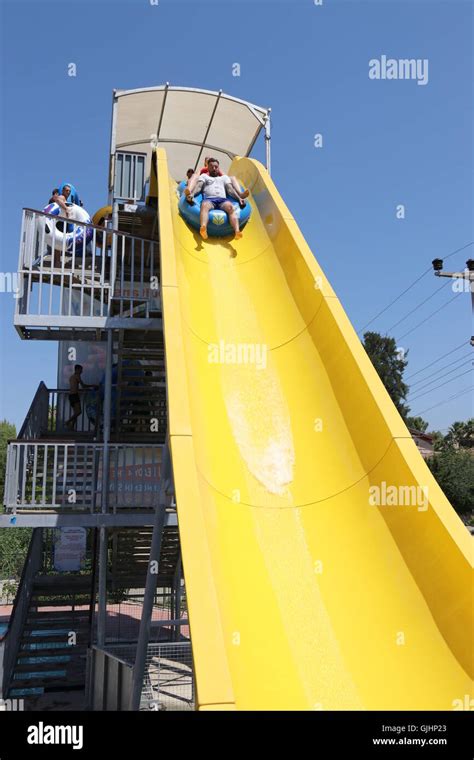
(70, 548)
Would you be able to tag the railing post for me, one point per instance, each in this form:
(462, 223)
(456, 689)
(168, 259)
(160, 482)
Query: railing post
(268, 159)
(107, 416)
(177, 597)
(9, 469)
(102, 596)
(21, 276)
(113, 266)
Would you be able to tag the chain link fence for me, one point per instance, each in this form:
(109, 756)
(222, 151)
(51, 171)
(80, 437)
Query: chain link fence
(168, 682)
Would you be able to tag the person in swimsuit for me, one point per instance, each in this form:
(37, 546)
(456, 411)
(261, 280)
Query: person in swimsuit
(75, 383)
(61, 198)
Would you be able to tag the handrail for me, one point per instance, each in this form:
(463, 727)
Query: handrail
(81, 442)
(45, 474)
(22, 577)
(48, 441)
(19, 612)
(107, 230)
(71, 271)
(30, 411)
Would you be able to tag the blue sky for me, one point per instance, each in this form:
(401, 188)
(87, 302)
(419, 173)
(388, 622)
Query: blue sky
(385, 143)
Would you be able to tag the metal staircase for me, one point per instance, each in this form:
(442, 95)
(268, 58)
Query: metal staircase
(52, 649)
(111, 475)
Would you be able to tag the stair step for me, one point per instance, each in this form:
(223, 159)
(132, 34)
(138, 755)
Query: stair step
(64, 649)
(55, 602)
(57, 614)
(77, 584)
(56, 684)
(40, 626)
(52, 665)
(45, 623)
(57, 636)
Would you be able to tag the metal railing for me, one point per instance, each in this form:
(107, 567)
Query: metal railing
(50, 410)
(36, 420)
(67, 475)
(168, 682)
(19, 612)
(108, 681)
(60, 410)
(70, 271)
(138, 410)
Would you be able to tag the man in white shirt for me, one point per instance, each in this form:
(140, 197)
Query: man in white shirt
(214, 189)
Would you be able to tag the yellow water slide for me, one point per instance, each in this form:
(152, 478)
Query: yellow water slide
(324, 567)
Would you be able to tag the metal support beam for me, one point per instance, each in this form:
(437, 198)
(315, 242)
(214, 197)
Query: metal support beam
(145, 622)
(177, 595)
(268, 158)
(84, 519)
(151, 580)
(208, 130)
(160, 121)
(102, 596)
(107, 416)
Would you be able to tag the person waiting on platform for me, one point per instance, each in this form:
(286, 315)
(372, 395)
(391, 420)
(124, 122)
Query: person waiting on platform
(61, 198)
(214, 188)
(192, 181)
(75, 383)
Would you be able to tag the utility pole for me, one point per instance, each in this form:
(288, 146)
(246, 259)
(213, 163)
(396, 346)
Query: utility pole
(467, 276)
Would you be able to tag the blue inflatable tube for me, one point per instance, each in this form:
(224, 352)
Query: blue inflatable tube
(219, 225)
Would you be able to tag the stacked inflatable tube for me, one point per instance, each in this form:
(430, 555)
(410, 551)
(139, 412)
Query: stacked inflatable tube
(219, 225)
(62, 235)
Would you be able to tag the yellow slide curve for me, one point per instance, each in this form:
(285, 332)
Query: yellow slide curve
(324, 567)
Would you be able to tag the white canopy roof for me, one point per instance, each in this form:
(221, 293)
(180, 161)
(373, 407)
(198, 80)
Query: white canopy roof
(189, 123)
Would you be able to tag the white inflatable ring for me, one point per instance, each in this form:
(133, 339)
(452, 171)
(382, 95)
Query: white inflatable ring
(57, 235)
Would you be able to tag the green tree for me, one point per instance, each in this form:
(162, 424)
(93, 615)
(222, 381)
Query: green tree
(461, 435)
(390, 364)
(14, 542)
(417, 423)
(438, 438)
(7, 431)
(454, 471)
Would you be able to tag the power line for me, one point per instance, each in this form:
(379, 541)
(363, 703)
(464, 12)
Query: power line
(451, 398)
(432, 374)
(469, 361)
(417, 307)
(458, 250)
(394, 301)
(440, 386)
(411, 286)
(427, 318)
(437, 360)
